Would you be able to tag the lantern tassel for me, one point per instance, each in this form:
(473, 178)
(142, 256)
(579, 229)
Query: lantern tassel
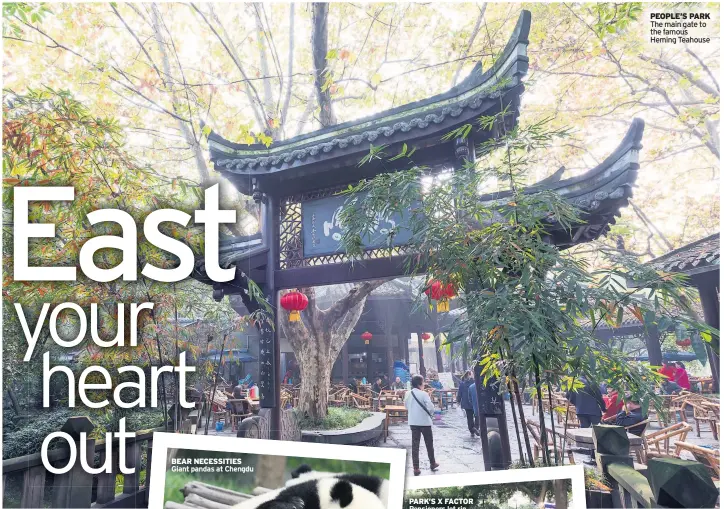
(294, 316)
(443, 306)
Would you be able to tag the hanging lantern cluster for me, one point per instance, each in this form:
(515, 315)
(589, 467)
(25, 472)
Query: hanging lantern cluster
(441, 293)
(683, 342)
(294, 302)
(367, 336)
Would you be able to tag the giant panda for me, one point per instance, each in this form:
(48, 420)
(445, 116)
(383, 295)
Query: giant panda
(376, 485)
(322, 493)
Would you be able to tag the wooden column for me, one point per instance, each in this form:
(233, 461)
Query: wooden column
(345, 364)
(438, 353)
(709, 295)
(74, 488)
(390, 358)
(269, 362)
(653, 345)
(420, 353)
(369, 362)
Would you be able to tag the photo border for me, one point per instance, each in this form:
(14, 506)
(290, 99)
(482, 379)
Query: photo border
(573, 472)
(397, 458)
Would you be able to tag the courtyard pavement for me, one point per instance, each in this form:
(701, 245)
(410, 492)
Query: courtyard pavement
(457, 452)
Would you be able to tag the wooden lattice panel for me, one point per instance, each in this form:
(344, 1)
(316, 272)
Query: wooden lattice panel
(291, 248)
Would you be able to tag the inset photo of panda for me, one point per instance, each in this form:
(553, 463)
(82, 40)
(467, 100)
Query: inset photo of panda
(189, 472)
(535, 488)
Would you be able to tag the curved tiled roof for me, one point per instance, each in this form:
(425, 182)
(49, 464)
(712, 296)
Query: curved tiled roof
(699, 256)
(474, 96)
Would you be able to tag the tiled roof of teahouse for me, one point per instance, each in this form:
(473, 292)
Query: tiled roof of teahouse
(474, 95)
(699, 256)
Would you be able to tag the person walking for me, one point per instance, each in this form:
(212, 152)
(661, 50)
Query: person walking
(419, 417)
(589, 404)
(467, 405)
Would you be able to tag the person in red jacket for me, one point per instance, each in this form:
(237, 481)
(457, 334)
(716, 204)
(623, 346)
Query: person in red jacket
(681, 377)
(613, 405)
(668, 370)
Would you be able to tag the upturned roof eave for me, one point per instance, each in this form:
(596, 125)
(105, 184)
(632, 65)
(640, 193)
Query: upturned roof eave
(463, 102)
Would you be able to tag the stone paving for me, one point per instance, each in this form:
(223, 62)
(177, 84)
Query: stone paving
(457, 452)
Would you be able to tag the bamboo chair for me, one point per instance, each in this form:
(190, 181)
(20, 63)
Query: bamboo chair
(361, 402)
(658, 443)
(709, 457)
(535, 432)
(706, 412)
(240, 410)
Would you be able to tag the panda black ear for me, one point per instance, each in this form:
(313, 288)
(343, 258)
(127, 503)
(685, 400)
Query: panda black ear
(342, 491)
(302, 469)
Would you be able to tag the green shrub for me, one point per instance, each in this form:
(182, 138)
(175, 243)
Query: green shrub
(27, 438)
(337, 418)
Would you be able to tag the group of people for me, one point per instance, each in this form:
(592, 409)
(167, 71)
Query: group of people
(593, 407)
(677, 378)
(594, 404)
(381, 384)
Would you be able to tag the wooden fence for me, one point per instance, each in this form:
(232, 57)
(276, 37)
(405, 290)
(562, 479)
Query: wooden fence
(665, 482)
(77, 488)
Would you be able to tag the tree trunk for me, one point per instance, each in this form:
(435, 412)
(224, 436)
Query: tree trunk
(14, 401)
(540, 502)
(317, 340)
(315, 369)
(560, 489)
(270, 470)
(320, 12)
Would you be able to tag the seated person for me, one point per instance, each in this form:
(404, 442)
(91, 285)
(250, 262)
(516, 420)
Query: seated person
(668, 370)
(377, 387)
(237, 391)
(630, 417)
(353, 385)
(613, 405)
(669, 387)
(398, 385)
(681, 377)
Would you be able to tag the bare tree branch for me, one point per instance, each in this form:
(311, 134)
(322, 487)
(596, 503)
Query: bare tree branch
(290, 68)
(681, 72)
(471, 40)
(256, 103)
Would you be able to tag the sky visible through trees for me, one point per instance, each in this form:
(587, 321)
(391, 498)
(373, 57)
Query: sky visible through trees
(256, 73)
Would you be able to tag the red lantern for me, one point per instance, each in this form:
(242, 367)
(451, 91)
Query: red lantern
(294, 302)
(367, 336)
(442, 294)
(684, 342)
(426, 336)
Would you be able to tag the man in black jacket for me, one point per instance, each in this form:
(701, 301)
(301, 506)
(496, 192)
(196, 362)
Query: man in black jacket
(589, 404)
(630, 417)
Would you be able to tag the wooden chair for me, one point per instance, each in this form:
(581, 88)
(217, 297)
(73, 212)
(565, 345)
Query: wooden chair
(709, 457)
(707, 412)
(240, 410)
(535, 431)
(638, 429)
(361, 402)
(659, 443)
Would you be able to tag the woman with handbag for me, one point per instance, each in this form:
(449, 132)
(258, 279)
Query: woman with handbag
(419, 416)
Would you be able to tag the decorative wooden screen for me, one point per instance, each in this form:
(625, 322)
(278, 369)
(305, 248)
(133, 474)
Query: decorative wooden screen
(291, 252)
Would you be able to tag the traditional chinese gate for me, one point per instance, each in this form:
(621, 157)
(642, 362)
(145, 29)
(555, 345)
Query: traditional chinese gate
(296, 182)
